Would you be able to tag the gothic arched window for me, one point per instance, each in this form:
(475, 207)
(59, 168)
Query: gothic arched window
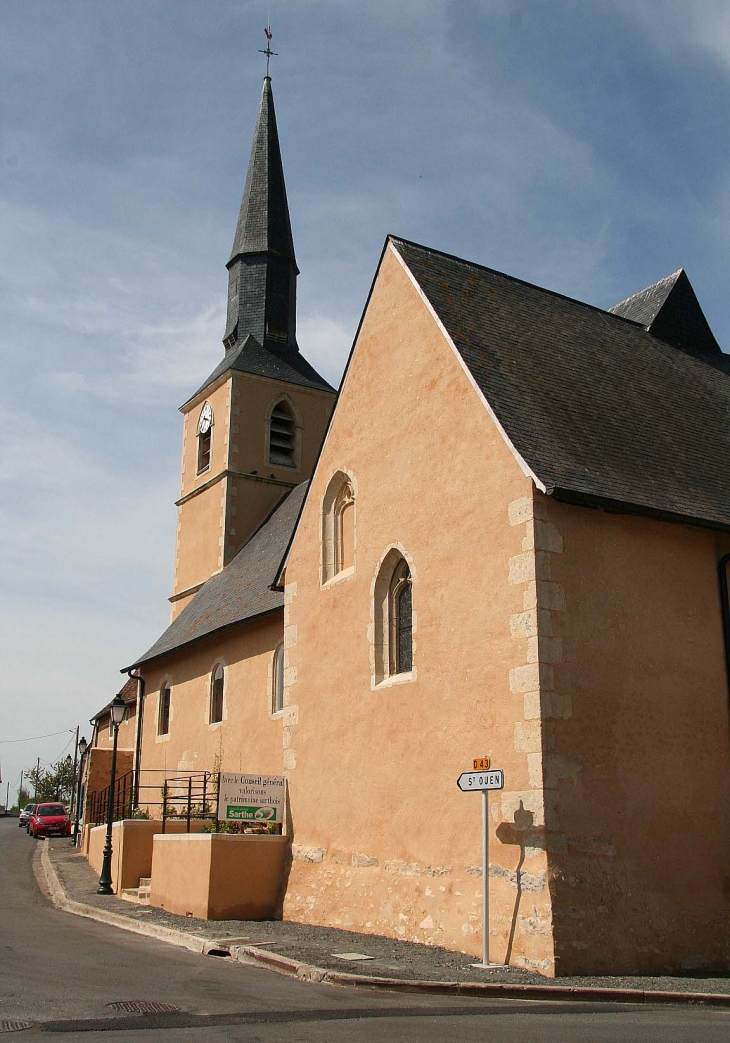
(338, 527)
(393, 618)
(344, 528)
(400, 620)
(216, 695)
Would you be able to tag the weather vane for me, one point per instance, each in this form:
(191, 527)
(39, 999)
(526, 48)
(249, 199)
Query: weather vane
(268, 52)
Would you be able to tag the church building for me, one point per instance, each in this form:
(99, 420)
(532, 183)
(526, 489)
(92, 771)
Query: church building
(507, 536)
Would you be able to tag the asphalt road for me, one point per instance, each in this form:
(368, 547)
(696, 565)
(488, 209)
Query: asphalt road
(61, 972)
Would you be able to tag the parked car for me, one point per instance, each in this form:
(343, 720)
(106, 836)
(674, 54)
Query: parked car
(25, 813)
(50, 820)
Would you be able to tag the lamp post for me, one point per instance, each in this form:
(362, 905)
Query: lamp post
(82, 751)
(116, 710)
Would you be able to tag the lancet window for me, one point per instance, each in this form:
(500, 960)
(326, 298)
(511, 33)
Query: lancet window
(216, 695)
(277, 681)
(163, 713)
(393, 618)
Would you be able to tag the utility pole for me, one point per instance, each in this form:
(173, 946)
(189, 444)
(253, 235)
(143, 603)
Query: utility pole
(37, 775)
(76, 760)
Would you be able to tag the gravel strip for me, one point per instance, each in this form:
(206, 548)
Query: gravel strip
(410, 961)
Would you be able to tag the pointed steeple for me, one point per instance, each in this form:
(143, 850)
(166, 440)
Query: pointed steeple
(262, 269)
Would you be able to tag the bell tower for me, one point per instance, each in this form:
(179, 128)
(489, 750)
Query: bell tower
(253, 428)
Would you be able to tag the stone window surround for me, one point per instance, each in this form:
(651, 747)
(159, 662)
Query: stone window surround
(277, 678)
(329, 574)
(166, 682)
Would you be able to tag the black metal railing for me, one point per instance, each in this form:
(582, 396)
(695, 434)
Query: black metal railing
(184, 795)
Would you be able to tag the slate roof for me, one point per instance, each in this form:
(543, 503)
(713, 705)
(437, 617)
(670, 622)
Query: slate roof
(670, 310)
(263, 224)
(128, 692)
(241, 591)
(283, 364)
(601, 410)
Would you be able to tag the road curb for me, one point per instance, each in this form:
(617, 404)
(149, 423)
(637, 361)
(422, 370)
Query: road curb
(60, 899)
(49, 881)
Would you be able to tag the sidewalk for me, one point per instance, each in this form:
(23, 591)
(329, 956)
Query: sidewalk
(309, 952)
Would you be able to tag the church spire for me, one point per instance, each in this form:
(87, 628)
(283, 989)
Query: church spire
(262, 269)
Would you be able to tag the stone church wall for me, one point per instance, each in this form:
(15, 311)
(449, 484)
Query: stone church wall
(383, 841)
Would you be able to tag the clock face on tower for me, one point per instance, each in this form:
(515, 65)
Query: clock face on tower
(206, 419)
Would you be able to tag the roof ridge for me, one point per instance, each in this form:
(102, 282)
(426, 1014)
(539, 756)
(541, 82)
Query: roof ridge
(505, 275)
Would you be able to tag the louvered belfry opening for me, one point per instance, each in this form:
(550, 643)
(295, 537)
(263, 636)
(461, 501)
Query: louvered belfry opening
(282, 436)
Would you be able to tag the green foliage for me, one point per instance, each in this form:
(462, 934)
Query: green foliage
(54, 783)
(140, 813)
(245, 827)
(219, 827)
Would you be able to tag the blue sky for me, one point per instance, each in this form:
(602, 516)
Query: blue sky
(582, 146)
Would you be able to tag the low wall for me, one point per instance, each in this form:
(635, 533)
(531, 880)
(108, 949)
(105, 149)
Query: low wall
(218, 876)
(131, 847)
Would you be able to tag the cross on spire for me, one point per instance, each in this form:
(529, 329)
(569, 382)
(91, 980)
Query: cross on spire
(268, 52)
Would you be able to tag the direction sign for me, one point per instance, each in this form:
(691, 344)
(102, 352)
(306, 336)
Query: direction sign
(481, 780)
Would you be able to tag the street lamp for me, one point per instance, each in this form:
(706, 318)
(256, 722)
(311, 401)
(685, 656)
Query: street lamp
(116, 710)
(83, 746)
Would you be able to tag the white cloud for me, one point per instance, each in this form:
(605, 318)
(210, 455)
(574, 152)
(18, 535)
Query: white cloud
(675, 25)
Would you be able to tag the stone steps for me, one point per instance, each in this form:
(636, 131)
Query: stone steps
(140, 894)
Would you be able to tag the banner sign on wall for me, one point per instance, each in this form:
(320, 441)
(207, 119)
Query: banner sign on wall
(252, 798)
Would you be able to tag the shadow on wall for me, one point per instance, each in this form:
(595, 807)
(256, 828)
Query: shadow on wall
(520, 832)
(288, 858)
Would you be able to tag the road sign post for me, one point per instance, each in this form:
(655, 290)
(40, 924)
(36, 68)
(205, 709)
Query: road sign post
(483, 781)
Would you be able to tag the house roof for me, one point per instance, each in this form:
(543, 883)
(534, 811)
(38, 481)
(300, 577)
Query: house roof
(600, 409)
(240, 591)
(128, 692)
(284, 364)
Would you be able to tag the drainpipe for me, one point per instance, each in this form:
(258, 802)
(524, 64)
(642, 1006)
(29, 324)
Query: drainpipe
(138, 736)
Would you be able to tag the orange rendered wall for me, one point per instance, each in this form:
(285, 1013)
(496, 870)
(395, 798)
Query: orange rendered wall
(132, 841)
(218, 876)
(98, 771)
(384, 842)
(639, 750)
(249, 737)
(127, 732)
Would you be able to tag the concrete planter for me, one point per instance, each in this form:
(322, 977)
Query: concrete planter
(218, 876)
(131, 847)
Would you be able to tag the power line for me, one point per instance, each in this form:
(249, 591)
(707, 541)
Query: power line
(32, 738)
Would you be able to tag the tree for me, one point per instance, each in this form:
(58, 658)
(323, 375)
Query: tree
(54, 783)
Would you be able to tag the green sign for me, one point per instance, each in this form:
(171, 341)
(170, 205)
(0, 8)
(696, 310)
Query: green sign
(238, 811)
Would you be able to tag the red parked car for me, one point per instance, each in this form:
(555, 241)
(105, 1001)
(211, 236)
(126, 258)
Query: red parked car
(50, 820)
